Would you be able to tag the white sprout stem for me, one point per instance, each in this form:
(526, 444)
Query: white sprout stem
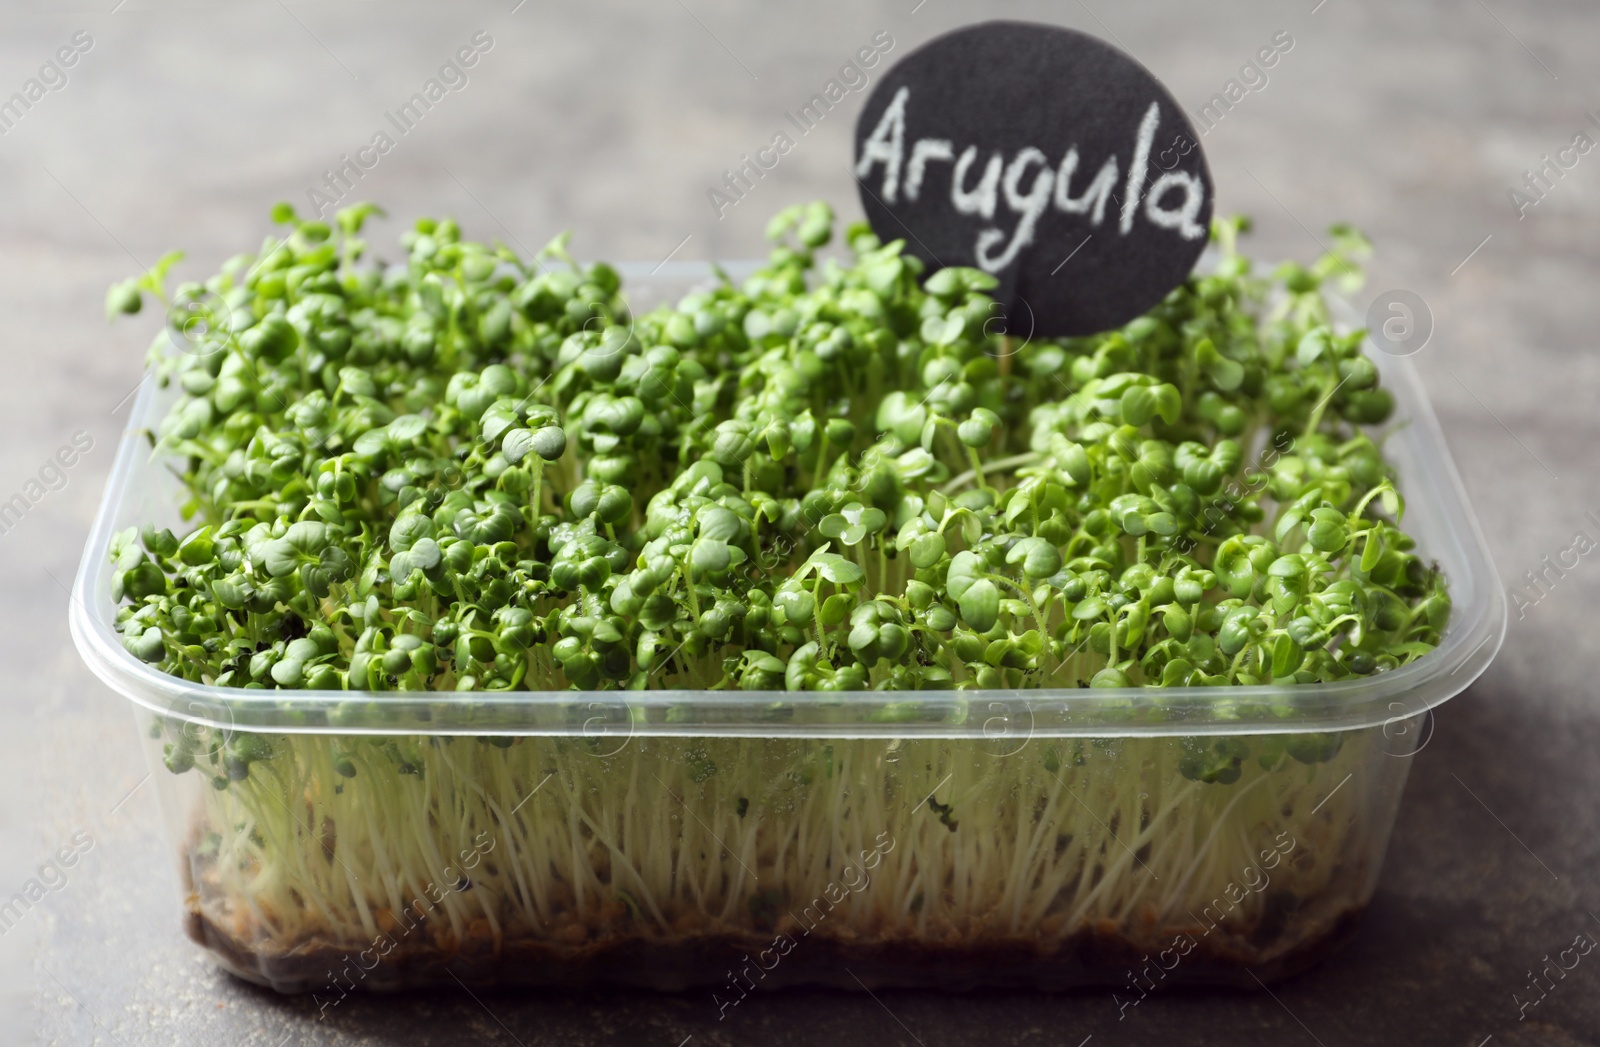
(751, 837)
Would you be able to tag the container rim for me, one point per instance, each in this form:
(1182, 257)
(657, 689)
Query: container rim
(1388, 699)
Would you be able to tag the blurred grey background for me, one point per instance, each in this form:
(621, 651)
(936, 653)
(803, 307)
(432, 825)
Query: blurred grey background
(182, 123)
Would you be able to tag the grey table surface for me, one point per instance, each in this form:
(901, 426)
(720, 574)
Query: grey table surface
(184, 121)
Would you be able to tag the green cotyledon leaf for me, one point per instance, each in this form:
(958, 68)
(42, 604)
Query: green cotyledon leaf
(539, 485)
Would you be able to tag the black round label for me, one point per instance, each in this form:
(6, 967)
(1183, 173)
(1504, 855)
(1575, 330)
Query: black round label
(1045, 157)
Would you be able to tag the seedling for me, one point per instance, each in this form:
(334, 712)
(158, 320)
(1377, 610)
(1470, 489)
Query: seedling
(468, 472)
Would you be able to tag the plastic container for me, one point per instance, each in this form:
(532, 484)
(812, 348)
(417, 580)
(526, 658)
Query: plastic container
(742, 840)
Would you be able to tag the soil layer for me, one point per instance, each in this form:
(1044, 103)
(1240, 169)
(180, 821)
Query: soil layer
(734, 964)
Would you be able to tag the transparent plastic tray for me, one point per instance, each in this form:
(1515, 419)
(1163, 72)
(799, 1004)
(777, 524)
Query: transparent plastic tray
(740, 840)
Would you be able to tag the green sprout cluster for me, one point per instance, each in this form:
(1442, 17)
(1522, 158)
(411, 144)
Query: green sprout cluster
(474, 471)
